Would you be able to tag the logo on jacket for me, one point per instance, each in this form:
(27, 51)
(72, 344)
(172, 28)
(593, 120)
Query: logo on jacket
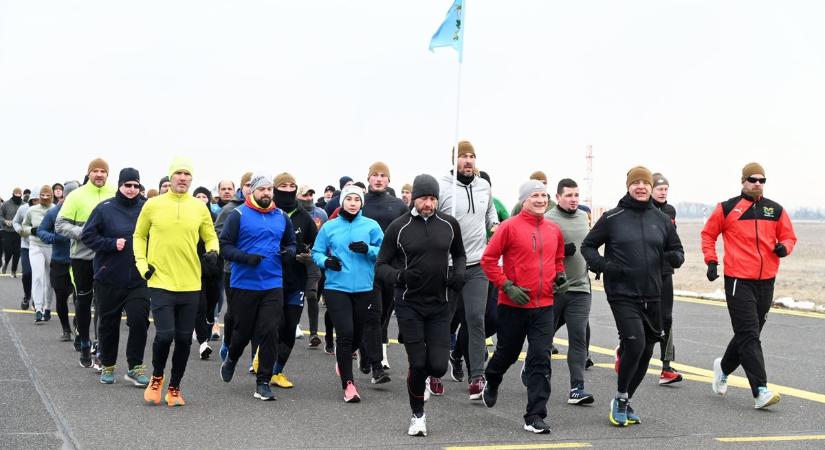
(767, 212)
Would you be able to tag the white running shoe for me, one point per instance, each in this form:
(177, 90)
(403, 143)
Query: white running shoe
(205, 350)
(720, 380)
(418, 426)
(765, 398)
(299, 333)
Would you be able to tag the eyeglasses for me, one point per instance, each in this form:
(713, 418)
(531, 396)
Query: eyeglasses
(757, 180)
(132, 185)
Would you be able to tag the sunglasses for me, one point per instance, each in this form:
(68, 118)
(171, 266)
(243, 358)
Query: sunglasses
(757, 180)
(132, 185)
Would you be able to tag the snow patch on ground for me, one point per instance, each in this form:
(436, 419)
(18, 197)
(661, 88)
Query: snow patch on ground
(783, 302)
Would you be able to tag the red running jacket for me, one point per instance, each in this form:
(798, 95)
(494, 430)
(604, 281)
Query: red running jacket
(750, 231)
(533, 251)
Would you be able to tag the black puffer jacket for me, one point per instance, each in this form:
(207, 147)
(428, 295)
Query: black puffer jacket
(383, 208)
(638, 239)
(670, 211)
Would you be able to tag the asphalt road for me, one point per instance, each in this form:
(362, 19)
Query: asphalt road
(48, 401)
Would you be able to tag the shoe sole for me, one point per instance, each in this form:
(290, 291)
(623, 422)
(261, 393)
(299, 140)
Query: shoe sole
(151, 402)
(420, 433)
(382, 380)
(580, 401)
(84, 365)
(261, 397)
(774, 400)
(355, 399)
(670, 381)
(134, 381)
(107, 382)
(206, 352)
(533, 430)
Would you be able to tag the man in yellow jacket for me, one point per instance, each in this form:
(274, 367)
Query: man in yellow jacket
(169, 261)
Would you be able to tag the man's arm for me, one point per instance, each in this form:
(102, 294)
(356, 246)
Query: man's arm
(785, 233)
(492, 253)
(140, 239)
(711, 232)
(65, 223)
(591, 243)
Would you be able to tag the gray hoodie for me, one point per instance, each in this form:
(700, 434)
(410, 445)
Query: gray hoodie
(475, 212)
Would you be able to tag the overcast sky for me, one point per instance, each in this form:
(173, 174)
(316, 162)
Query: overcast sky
(323, 88)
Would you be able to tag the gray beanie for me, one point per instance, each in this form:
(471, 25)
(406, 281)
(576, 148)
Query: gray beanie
(260, 180)
(659, 180)
(352, 189)
(68, 187)
(527, 189)
(424, 185)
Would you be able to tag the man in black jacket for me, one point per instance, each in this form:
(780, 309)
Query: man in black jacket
(118, 285)
(414, 257)
(638, 239)
(382, 207)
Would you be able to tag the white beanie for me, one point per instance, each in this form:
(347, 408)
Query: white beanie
(352, 189)
(260, 180)
(527, 189)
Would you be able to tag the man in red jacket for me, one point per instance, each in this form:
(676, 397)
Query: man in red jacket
(756, 233)
(533, 251)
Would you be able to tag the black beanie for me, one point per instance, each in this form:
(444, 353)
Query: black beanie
(424, 185)
(343, 181)
(162, 180)
(128, 174)
(202, 190)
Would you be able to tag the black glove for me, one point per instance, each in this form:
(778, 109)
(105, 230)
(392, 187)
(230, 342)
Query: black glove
(613, 270)
(673, 258)
(34, 233)
(253, 259)
(569, 249)
(408, 277)
(211, 258)
(517, 294)
(780, 249)
(561, 278)
(359, 247)
(149, 272)
(311, 296)
(333, 263)
(455, 282)
(712, 272)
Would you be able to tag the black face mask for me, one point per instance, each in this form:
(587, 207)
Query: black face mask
(17, 200)
(465, 179)
(347, 215)
(307, 205)
(124, 200)
(285, 200)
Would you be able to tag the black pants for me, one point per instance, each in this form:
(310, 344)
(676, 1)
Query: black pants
(329, 327)
(208, 299)
(426, 331)
(639, 326)
(536, 324)
(27, 273)
(350, 313)
(286, 330)
(256, 315)
(749, 302)
(11, 249)
(668, 350)
(112, 301)
(83, 279)
(227, 315)
(372, 337)
(63, 288)
(174, 314)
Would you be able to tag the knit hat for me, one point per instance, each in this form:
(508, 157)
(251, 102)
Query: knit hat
(17, 190)
(46, 189)
(406, 187)
(202, 190)
(329, 188)
(163, 180)
(343, 181)
(181, 163)
(538, 175)
(260, 180)
(528, 188)
(352, 189)
(660, 180)
(463, 148)
(245, 178)
(282, 178)
(128, 174)
(752, 169)
(98, 163)
(69, 186)
(424, 185)
(378, 167)
(639, 173)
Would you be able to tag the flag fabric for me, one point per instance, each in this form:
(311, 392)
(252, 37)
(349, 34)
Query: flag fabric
(451, 31)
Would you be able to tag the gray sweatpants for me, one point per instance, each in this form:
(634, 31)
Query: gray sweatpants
(573, 308)
(474, 295)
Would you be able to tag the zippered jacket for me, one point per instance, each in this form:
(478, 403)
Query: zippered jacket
(334, 238)
(60, 244)
(474, 209)
(637, 239)
(532, 248)
(750, 230)
(75, 212)
(111, 220)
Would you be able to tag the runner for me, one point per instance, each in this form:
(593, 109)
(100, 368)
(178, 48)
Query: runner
(40, 257)
(11, 240)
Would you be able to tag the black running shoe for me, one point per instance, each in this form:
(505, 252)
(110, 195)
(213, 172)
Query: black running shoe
(588, 363)
(66, 336)
(24, 305)
(456, 369)
(228, 370)
(537, 426)
(489, 395)
(263, 392)
(379, 377)
(314, 341)
(329, 348)
(85, 357)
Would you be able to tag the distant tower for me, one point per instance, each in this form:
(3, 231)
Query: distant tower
(588, 178)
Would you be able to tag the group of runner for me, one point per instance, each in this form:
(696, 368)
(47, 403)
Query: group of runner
(446, 258)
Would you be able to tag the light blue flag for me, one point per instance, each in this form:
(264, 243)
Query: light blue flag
(451, 31)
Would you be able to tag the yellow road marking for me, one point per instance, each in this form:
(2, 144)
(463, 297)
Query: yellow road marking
(802, 437)
(524, 446)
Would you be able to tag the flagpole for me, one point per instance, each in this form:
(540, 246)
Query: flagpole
(458, 107)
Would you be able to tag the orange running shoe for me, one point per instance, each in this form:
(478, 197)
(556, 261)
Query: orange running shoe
(173, 397)
(152, 392)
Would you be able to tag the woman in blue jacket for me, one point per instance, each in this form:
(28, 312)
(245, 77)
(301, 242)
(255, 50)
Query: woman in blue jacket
(347, 248)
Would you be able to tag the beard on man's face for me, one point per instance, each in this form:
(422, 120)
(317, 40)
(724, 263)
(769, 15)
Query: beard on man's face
(263, 202)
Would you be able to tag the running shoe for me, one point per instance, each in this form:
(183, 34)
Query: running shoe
(476, 388)
(152, 392)
(281, 381)
(537, 426)
(174, 397)
(299, 333)
(670, 376)
(38, 317)
(66, 336)
(96, 364)
(553, 350)
(765, 398)
(578, 396)
(47, 315)
(24, 305)
(205, 350)
(329, 348)
(588, 363)
(263, 392)
(216, 332)
(456, 370)
(632, 417)
(720, 380)
(618, 412)
(107, 375)
(351, 394)
(314, 341)
(489, 395)
(224, 351)
(228, 370)
(434, 386)
(137, 375)
(379, 376)
(418, 426)
(85, 356)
